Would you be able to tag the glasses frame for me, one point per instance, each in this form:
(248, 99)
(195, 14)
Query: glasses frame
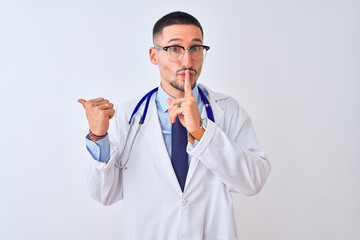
(207, 48)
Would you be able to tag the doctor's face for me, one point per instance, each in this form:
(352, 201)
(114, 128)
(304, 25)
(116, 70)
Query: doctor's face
(173, 72)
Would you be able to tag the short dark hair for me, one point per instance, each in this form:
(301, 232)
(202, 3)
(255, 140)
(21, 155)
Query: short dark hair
(174, 18)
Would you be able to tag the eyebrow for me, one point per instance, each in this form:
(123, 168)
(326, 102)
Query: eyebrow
(179, 39)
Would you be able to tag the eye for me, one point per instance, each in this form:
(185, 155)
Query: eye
(196, 49)
(175, 49)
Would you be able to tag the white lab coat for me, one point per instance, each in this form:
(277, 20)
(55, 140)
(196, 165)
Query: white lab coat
(227, 159)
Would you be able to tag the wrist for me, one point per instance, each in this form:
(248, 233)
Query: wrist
(98, 132)
(94, 137)
(197, 135)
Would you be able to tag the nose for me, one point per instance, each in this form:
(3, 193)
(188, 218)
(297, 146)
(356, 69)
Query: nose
(187, 61)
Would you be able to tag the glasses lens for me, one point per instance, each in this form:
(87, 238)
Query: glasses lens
(175, 53)
(198, 53)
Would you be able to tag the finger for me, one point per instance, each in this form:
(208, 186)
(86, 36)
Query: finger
(172, 116)
(174, 105)
(176, 111)
(97, 100)
(102, 102)
(176, 101)
(170, 101)
(182, 121)
(82, 101)
(187, 87)
(111, 113)
(106, 106)
(183, 102)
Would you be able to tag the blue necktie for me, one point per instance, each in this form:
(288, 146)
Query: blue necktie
(179, 156)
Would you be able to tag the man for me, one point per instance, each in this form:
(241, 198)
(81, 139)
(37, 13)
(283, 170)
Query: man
(194, 148)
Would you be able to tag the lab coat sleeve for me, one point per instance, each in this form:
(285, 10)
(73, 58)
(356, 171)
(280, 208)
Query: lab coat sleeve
(232, 153)
(104, 180)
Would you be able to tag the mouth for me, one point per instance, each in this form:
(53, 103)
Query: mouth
(182, 74)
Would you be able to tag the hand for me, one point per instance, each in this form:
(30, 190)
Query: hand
(188, 113)
(98, 113)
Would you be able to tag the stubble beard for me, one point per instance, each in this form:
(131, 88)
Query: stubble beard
(176, 82)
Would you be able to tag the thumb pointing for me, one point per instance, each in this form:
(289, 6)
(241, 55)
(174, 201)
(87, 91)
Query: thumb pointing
(82, 101)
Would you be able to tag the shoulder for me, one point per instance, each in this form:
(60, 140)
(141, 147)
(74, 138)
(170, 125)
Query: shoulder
(124, 110)
(229, 114)
(225, 102)
(129, 105)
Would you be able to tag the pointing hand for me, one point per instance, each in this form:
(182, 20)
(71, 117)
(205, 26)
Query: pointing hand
(98, 113)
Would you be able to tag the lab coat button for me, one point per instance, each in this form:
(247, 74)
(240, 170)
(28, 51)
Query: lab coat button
(183, 202)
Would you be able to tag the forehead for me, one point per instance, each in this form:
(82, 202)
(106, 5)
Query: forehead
(181, 33)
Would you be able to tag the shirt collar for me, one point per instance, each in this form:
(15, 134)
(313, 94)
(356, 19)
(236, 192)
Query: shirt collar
(162, 96)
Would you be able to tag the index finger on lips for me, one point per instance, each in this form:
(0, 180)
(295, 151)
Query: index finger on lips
(187, 86)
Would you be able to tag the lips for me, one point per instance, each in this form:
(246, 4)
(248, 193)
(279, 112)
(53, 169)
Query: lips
(182, 74)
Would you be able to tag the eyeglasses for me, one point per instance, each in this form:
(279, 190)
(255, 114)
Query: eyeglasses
(176, 53)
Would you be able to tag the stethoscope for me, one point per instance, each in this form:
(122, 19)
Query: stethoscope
(147, 97)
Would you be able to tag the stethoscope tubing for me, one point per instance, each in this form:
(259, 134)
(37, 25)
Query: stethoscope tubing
(147, 96)
(208, 108)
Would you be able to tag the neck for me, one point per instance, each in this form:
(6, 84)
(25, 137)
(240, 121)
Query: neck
(173, 92)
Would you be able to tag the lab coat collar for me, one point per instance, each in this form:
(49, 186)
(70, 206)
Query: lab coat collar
(213, 98)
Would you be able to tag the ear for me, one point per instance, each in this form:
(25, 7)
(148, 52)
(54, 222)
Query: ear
(153, 54)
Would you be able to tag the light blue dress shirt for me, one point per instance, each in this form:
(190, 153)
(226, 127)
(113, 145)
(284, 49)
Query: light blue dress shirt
(100, 150)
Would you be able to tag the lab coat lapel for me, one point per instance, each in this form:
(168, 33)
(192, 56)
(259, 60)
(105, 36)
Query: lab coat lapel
(213, 98)
(218, 117)
(155, 139)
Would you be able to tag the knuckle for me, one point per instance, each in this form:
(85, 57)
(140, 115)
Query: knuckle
(103, 113)
(89, 104)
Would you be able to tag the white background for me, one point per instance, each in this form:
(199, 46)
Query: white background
(293, 65)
